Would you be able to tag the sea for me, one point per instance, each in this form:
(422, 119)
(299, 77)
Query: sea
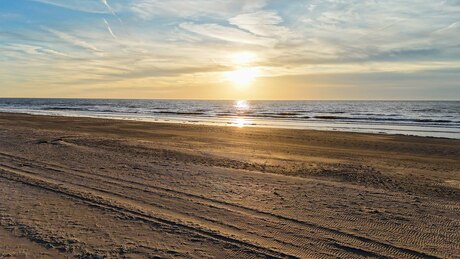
(419, 118)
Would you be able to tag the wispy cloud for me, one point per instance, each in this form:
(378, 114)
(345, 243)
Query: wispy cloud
(161, 42)
(226, 34)
(74, 41)
(262, 23)
(148, 9)
(34, 50)
(91, 6)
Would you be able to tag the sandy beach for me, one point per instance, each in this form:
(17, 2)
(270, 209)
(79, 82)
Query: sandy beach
(84, 187)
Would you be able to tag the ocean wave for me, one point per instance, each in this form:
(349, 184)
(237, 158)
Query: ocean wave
(407, 115)
(94, 109)
(64, 109)
(329, 117)
(332, 117)
(280, 113)
(180, 113)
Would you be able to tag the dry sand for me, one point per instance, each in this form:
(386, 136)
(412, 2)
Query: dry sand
(84, 187)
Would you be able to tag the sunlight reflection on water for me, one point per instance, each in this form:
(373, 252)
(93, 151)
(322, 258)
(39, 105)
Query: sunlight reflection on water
(239, 122)
(241, 107)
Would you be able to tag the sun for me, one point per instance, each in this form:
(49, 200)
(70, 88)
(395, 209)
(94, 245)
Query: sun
(244, 74)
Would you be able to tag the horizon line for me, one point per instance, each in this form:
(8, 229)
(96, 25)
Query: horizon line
(204, 99)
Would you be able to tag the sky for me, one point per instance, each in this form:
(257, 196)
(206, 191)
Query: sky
(231, 49)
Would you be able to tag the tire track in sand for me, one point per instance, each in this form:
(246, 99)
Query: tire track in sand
(127, 210)
(367, 246)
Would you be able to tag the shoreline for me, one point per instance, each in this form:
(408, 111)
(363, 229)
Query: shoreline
(76, 186)
(190, 121)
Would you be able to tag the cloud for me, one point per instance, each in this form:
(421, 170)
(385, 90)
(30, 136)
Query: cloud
(262, 23)
(10, 16)
(34, 50)
(171, 38)
(78, 5)
(226, 34)
(148, 9)
(75, 41)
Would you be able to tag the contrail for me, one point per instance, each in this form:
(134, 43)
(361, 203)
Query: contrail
(110, 29)
(451, 26)
(105, 2)
(108, 6)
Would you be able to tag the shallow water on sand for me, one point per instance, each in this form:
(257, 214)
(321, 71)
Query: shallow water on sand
(422, 118)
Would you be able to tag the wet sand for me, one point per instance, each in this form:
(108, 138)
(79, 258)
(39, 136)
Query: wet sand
(83, 187)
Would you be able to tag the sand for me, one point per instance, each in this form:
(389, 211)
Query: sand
(82, 187)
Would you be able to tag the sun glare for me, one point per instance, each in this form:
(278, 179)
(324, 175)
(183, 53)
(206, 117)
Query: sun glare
(240, 122)
(243, 76)
(244, 73)
(241, 105)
